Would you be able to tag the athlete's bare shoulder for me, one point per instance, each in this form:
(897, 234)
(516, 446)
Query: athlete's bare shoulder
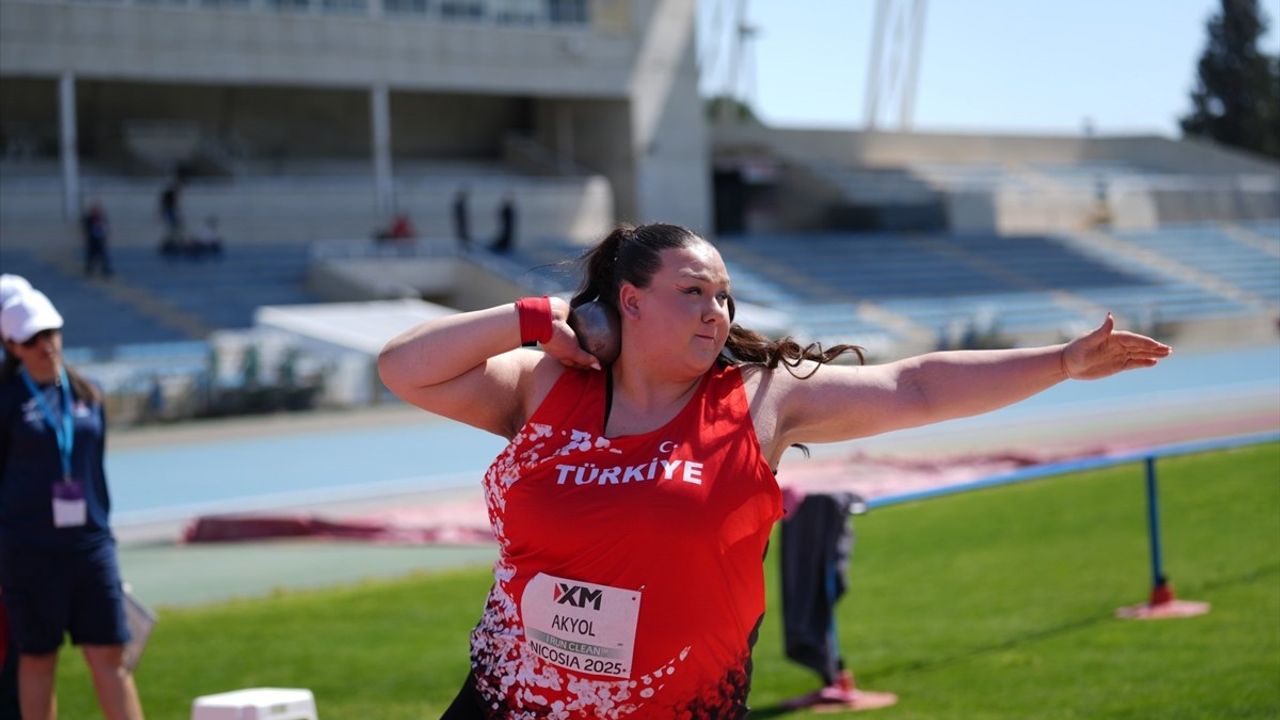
(766, 390)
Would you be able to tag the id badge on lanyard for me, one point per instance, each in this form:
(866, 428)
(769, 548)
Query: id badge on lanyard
(69, 506)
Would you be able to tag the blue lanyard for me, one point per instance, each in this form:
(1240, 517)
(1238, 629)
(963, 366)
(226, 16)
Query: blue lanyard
(66, 434)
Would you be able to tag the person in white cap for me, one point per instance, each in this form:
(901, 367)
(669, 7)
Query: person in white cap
(57, 554)
(11, 286)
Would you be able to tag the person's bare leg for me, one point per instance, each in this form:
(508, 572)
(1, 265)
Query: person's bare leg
(36, 674)
(117, 695)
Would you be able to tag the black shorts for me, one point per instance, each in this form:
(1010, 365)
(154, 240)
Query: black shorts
(468, 705)
(50, 594)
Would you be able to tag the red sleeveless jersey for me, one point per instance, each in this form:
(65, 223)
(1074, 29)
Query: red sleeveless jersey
(630, 580)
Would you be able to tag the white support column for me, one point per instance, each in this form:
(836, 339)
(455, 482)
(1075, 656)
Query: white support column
(68, 146)
(380, 110)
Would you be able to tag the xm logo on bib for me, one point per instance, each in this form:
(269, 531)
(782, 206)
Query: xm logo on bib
(577, 595)
(579, 625)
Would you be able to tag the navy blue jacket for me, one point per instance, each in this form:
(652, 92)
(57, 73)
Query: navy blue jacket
(30, 465)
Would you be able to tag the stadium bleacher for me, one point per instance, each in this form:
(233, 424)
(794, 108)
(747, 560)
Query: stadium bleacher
(823, 282)
(1018, 285)
(947, 284)
(1266, 228)
(221, 292)
(1211, 249)
(542, 265)
(95, 316)
(153, 299)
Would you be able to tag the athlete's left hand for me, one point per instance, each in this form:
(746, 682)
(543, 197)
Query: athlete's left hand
(1107, 351)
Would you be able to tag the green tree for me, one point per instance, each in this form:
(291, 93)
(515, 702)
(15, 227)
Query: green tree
(737, 110)
(1236, 100)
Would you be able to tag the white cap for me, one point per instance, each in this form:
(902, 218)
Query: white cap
(11, 285)
(27, 313)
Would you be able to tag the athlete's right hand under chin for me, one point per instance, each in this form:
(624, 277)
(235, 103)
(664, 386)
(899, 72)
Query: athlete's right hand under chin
(563, 346)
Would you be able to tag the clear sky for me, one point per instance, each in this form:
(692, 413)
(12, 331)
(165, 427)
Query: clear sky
(987, 65)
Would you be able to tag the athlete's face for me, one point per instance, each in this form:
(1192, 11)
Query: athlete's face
(686, 305)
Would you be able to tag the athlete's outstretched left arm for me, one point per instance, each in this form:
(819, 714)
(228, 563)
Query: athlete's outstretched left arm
(841, 402)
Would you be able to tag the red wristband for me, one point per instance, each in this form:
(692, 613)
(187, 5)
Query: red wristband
(535, 319)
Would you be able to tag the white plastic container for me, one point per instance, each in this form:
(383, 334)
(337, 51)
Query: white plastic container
(256, 704)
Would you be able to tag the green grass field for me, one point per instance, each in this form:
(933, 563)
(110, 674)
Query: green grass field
(995, 604)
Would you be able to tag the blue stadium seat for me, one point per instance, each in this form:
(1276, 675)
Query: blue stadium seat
(1210, 249)
(94, 317)
(217, 292)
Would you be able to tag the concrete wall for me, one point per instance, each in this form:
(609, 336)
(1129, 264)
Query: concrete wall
(477, 288)
(653, 147)
(268, 86)
(971, 211)
(1198, 205)
(265, 123)
(893, 149)
(1204, 181)
(436, 125)
(258, 121)
(593, 134)
(850, 147)
(1019, 212)
(669, 137)
(194, 45)
(804, 199)
(1188, 155)
(362, 279)
(457, 282)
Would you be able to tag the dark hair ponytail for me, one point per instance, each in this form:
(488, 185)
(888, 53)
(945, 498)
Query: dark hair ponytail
(748, 346)
(599, 274)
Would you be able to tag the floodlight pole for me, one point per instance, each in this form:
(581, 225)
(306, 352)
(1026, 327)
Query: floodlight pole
(893, 70)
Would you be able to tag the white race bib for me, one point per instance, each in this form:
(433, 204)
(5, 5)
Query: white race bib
(581, 626)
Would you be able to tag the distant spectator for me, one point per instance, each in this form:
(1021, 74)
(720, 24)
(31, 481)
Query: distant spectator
(155, 400)
(206, 240)
(506, 225)
(461, 230)
(94, 224)
(171, 213)
(400, 229)
(251, 367)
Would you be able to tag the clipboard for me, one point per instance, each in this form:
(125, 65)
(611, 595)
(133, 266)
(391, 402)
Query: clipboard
(140, 620)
